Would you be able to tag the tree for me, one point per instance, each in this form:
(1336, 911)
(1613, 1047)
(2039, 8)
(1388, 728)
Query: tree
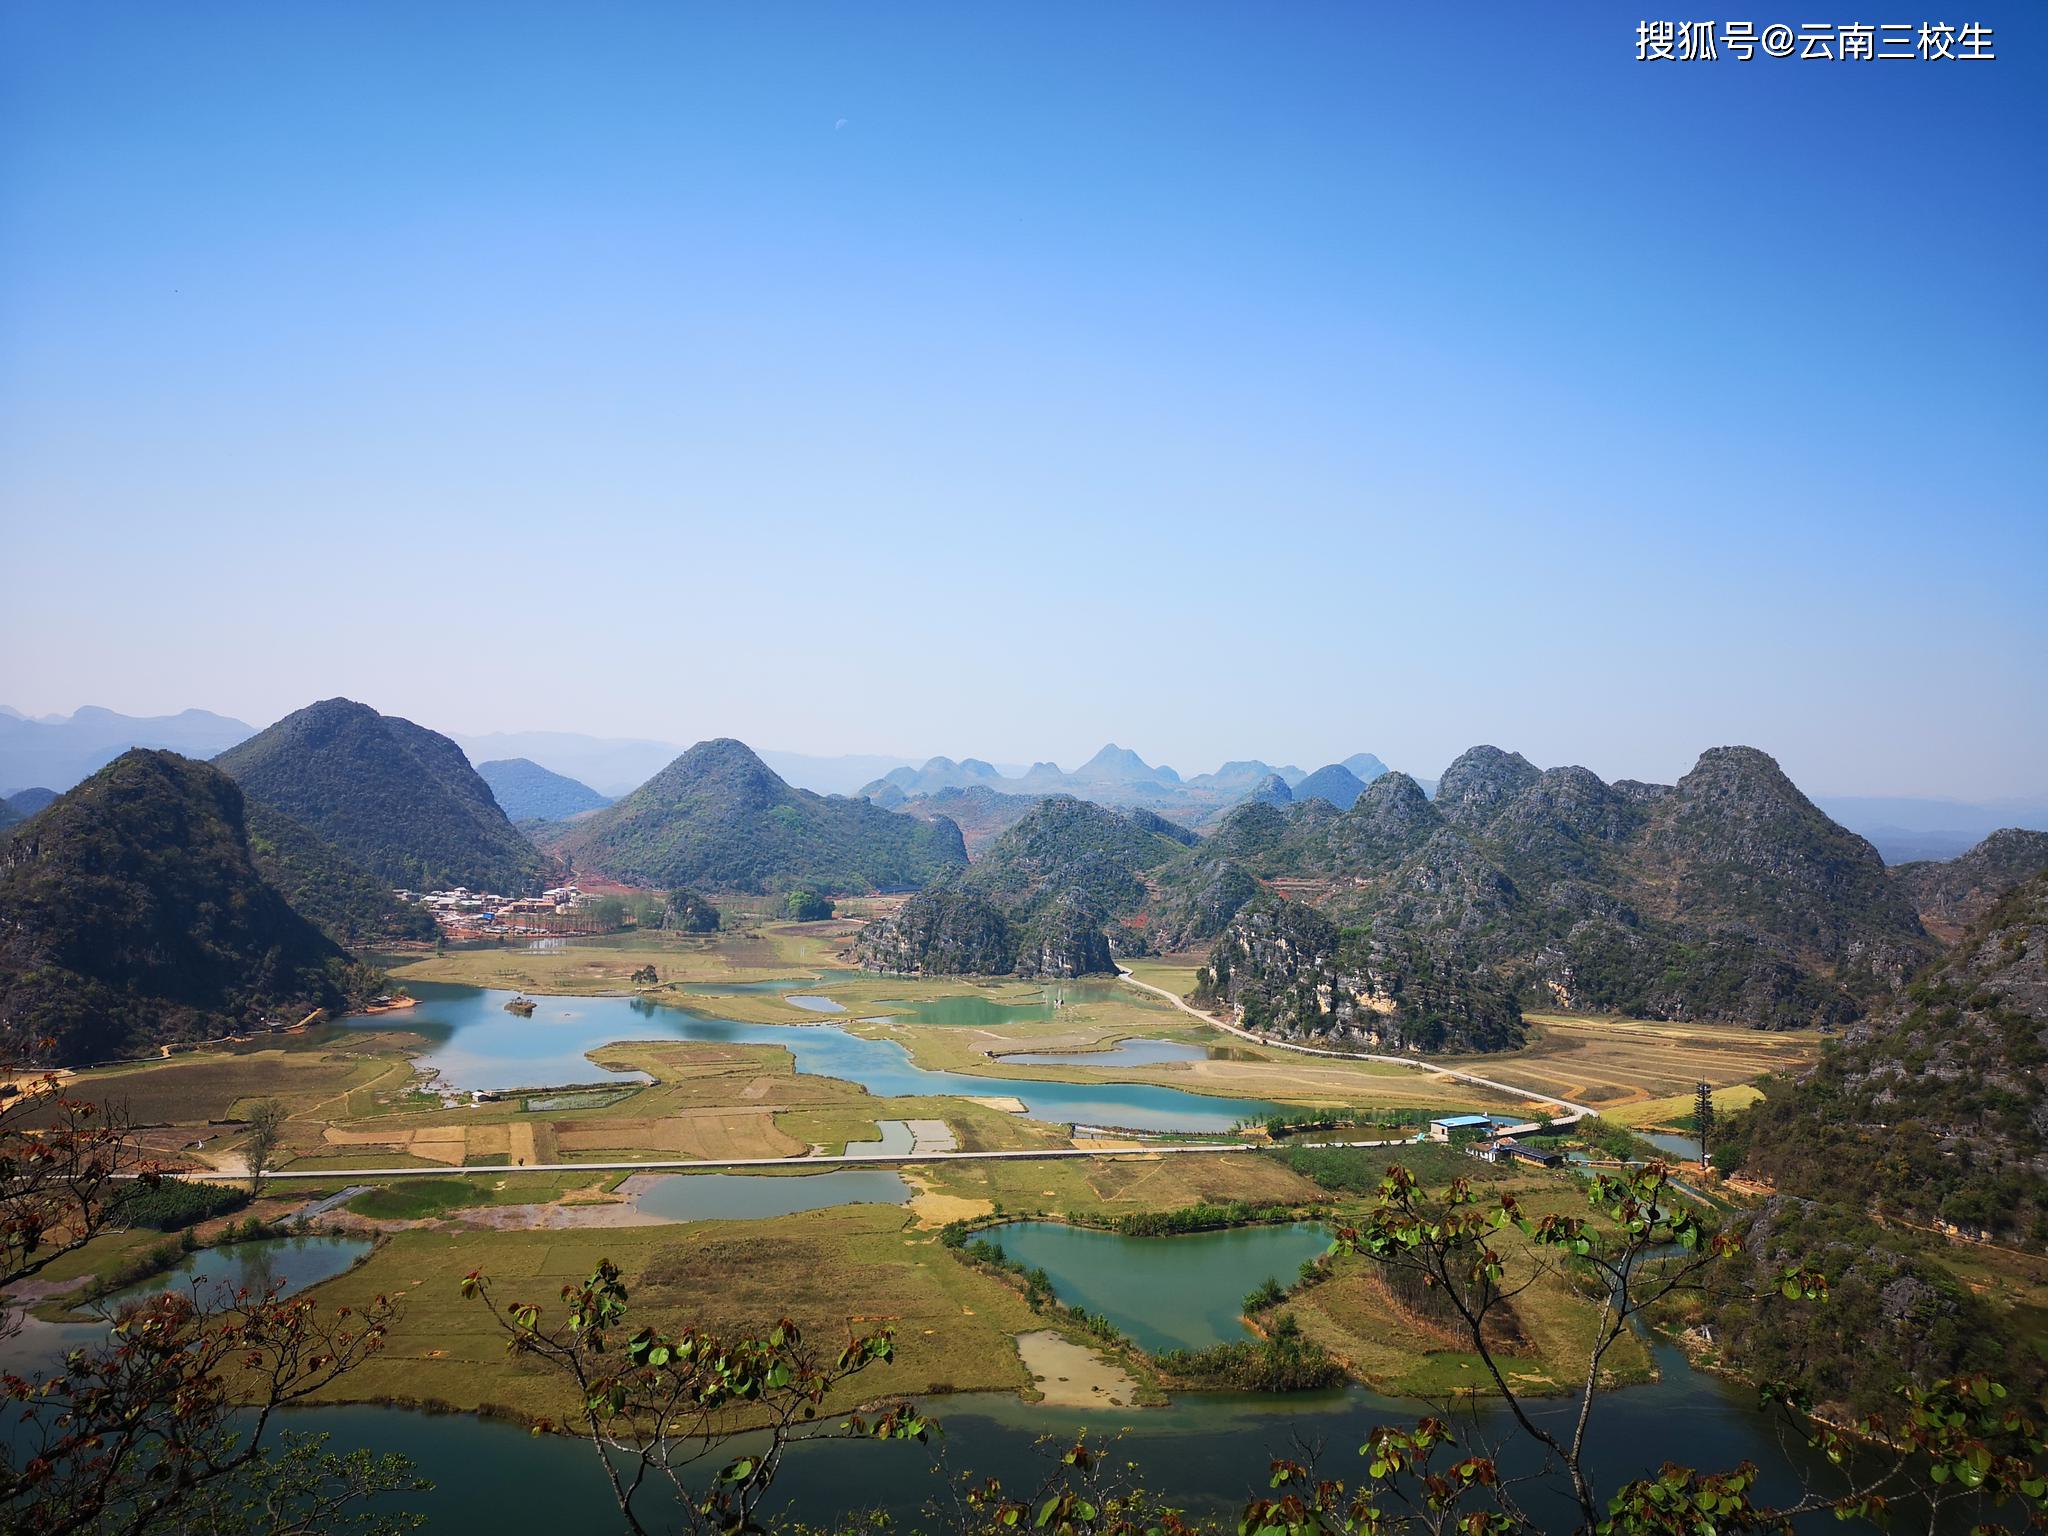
(162, 1429)
(661, 1409)
(260, 1146)
(63, 1162)
(1956, 1439)
(807, 906)
(1703, 1117)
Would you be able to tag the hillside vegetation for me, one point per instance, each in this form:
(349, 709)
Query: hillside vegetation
(718, 818)
(1038, 902)
(348, 904)
(1727, 896)
(399, 800)
(134, 913)
(1934, 1108)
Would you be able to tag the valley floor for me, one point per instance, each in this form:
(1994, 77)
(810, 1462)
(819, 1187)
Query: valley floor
(356, 1099)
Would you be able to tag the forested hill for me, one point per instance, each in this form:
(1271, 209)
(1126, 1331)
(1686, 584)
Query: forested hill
(132, 912)
(525, 791)
(1041, 901)
(718, 818)
(348, 903)
(1934, 1109)
(397, 799)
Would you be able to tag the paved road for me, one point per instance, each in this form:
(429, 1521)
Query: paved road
(1574, 1112)
(836, 1160)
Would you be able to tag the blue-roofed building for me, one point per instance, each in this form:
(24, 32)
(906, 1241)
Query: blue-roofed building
(1452, 1125)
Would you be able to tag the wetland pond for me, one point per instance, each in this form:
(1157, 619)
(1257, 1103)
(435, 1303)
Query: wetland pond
(473, 1043)
(1125, 1053)
(1208, 1452)
(1185, 1291)
(290, 1263)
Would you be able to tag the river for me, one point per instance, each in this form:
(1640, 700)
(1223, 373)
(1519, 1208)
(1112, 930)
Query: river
(474, 1043)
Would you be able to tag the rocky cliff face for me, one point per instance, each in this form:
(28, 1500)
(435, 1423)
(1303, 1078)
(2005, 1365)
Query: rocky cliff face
(1290, 971)
(1737, 846)
(1480, 781)
(939, 933)
(1728, 896)
(1038, 902)
(1951, 895)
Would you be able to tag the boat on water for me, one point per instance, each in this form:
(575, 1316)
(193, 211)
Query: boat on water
(521, 1005)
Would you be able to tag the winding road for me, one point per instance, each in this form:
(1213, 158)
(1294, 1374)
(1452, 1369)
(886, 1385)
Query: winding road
(1573, 1112)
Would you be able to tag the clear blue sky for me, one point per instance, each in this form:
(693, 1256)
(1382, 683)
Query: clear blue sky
(1227, 380)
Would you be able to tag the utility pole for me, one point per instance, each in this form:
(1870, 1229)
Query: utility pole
(1703, 1117)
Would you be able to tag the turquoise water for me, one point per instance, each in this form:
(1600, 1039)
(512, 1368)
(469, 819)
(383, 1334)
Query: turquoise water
(473, 1043)
(814, 1004)
(750, 1196)
(1181, 1292)
(985, 1012)
(1125, 1053)
(216, 1274)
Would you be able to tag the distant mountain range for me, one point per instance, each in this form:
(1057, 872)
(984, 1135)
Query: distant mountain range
(56, 751)
(1405, 921)
(1119, 777)
(616, 766)
(1358, 911)
(1904, 828)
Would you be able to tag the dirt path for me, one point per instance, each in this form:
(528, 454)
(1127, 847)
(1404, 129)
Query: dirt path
(1575, 1111)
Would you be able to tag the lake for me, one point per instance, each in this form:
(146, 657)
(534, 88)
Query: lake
(1181, 1292)
(473, 1043)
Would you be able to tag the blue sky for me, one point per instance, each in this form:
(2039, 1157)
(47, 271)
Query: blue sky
(1225, 380)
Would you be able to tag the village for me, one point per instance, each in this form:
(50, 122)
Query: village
(462, 912)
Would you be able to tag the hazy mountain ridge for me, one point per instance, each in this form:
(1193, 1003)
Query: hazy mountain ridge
(398, 799)
(60, 750)
(719, 818)
(982, 814)
(135, 913)
(525, 791)
(1118, 777)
